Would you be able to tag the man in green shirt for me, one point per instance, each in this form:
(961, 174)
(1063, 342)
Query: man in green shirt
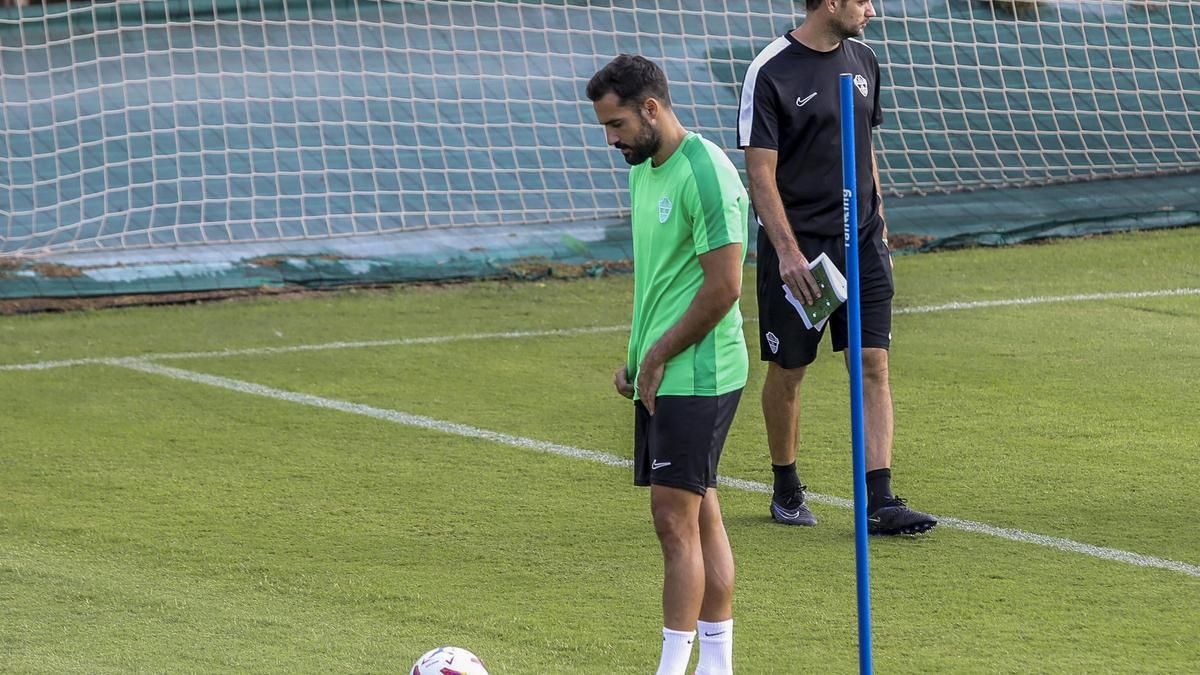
(687, 363)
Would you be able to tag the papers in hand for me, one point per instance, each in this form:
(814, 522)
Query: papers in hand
(833, 293)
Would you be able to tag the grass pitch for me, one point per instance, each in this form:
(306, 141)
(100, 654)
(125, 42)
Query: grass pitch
(155, 523)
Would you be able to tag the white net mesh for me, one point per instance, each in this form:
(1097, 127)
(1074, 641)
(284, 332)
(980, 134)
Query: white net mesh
(1019, 93)
(175, 122)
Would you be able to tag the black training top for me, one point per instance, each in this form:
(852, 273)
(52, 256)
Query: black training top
(790, 104)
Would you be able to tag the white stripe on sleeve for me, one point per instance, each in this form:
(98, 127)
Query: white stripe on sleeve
(746, 112)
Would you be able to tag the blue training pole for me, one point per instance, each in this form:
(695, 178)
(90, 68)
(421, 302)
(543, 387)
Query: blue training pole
(850, 231)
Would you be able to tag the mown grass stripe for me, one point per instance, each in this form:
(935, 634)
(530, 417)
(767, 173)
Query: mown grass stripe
(437, 339)
(432, 424)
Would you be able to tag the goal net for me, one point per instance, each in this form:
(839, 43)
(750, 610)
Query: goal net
(177, 124)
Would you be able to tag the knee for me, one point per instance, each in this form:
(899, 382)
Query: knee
(785, 377)
(676, 534)
(875, 367)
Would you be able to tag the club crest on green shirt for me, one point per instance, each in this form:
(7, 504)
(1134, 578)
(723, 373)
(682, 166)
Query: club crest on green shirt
(664, 210)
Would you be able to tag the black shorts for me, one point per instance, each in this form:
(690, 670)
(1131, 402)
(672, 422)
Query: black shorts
(680, 444)
(782, 336)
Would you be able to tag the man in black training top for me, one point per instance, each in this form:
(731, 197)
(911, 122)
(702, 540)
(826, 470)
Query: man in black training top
(789, 126)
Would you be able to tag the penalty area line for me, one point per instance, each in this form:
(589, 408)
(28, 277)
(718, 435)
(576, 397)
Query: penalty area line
(429, 423)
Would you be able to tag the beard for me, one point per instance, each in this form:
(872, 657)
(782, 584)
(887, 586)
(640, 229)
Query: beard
(644, 145)
(849, 30)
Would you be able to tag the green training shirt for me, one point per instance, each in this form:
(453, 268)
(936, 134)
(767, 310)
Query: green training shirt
(692, 204)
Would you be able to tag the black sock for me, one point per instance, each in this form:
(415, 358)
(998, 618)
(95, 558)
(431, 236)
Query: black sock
(786, 478)
(879, 488)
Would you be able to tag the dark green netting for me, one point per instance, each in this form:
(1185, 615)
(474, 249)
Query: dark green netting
(193, 144)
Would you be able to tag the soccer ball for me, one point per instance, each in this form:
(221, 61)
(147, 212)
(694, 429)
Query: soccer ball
(448, 661)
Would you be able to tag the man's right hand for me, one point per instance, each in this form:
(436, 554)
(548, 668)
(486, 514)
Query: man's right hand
(621, 381)
(761, 165)
(793, 269)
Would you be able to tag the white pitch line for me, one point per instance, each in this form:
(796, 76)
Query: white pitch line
(1003, 533)
(437, 339)
(46, 365)
(399, 342)
(1038, 300)
(250, 351)
(431, 424)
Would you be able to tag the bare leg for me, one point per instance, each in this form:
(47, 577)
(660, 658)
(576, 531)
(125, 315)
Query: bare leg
(877, 417)
(718, 562)
(877, 408)
(897, 517)
(716, 612)
(781, 411)
(677, 522)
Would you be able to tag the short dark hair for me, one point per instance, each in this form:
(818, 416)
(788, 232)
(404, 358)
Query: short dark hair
(810, 5)
(632, 78)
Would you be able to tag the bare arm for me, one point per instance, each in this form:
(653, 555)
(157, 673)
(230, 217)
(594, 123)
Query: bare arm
(879, 191)
(720, 290)
(764, 193)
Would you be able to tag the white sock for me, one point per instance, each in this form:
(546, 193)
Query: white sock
(677, 651)
(716, 647)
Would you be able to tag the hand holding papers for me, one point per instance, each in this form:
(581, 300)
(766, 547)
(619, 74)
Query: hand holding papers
(833, 293)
